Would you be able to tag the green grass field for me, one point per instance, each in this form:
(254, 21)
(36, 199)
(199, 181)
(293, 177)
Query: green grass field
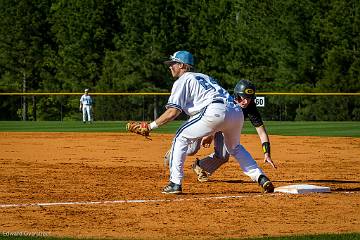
(338, 129)
(349, 236)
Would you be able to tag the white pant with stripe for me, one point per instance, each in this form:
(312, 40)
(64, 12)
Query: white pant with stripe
(216, 159)
(216, 117)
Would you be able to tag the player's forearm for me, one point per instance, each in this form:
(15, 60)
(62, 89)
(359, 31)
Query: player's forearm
(169, 115)
(265, 141)
(262, 134)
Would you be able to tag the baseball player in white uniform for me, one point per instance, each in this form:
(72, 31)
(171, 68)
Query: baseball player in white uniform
(244, 96)
(211, 109)
(86, 106)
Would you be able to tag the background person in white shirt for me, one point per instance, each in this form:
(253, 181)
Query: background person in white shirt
(86, 106)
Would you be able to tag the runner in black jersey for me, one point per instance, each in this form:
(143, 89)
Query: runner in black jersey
(244, 95)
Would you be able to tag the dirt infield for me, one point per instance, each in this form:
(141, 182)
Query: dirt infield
(109, 185)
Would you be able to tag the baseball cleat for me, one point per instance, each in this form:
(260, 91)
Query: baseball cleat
(202, 175)
(172, 188)
(266, 184)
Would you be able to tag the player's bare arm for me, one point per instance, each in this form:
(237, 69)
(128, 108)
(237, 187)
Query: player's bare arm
(265, 142)
(144, 128)
(169, 115)
(264, 137)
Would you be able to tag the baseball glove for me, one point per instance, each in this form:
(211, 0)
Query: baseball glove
(141, 128)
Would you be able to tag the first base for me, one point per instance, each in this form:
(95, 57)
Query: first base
(302, 188)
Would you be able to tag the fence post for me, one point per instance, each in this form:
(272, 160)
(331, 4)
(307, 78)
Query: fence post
(155, 107)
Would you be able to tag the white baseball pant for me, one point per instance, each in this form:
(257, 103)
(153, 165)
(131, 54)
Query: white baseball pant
(215, 160)
(86, 109)
(216, 117)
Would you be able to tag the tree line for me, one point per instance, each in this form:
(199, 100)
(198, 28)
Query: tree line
(119, 46)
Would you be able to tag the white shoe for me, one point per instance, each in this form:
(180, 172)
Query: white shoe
(202, 175)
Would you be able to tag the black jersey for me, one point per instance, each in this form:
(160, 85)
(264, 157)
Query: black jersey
(253, 114)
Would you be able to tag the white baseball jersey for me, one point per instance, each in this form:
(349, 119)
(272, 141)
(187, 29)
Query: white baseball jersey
(211, 109)
(86, 99)
(86, 102)
(194, 91)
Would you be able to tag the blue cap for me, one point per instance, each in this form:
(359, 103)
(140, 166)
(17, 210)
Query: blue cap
(181, 57)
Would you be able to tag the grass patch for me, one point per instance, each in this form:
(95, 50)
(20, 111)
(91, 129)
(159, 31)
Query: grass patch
(57, 126)
(346, 236)
(331, 129)
(320, 128)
